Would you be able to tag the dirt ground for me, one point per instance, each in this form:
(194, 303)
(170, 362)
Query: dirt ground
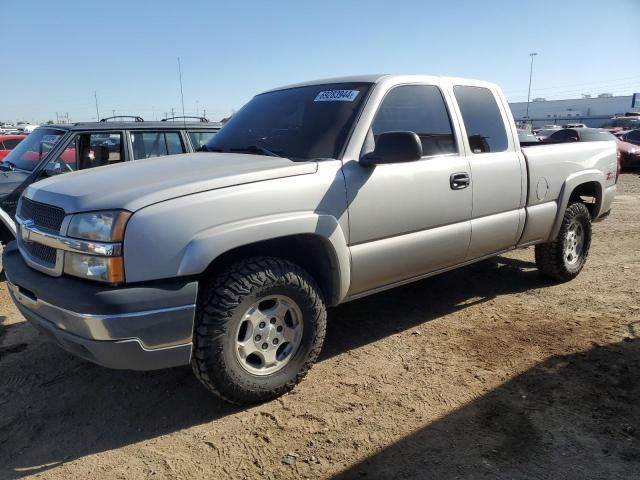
(484, 372)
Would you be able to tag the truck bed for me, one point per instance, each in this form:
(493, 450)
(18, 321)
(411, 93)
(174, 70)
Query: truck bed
(552, 165)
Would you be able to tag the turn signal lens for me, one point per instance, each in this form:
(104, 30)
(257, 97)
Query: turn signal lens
(92, 267)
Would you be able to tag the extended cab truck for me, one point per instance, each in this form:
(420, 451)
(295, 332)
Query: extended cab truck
(310, 196)
(56, 149)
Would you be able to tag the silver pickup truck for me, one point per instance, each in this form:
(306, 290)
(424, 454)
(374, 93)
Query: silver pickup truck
(310, 196)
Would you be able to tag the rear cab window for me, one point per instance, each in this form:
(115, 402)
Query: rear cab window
(486, 130)
(156, 144)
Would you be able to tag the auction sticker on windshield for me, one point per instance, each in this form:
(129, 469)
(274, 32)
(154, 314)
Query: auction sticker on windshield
(337, 96)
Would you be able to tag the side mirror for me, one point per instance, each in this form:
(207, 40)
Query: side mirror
(53, 168)
(394, 147)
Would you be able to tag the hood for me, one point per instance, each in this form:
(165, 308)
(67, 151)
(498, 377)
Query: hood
(137, 184)
(10, 180)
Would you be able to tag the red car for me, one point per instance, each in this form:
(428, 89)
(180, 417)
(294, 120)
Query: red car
(8, 143)
(628, 153)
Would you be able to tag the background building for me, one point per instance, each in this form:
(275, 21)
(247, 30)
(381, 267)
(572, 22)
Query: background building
(592, 111)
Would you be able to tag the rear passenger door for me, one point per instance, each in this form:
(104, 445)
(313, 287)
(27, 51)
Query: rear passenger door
(149, 144)
(497, 172)
(408, 219)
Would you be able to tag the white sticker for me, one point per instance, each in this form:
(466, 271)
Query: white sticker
(337, 96)
(50, 139)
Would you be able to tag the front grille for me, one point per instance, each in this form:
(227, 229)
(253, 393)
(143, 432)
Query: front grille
(42, 253)
(42, 215)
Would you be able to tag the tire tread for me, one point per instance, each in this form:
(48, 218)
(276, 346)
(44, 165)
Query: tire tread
(219, 298)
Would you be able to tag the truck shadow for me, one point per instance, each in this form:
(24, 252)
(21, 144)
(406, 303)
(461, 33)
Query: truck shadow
(570, 417)
(367, 320)
(89, 409)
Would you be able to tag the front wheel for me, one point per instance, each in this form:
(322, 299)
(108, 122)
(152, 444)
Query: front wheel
(563, 259)
(260, 325)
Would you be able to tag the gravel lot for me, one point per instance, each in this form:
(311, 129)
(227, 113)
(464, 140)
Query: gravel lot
(484, 372)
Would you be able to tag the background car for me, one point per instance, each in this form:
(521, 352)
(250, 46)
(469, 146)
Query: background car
(575, 125)
(629, 136)
(8, 143)
(526, 137)
(628, 153)
(543, 133)
(618, 124)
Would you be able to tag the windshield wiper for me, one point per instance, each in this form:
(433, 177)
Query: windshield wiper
(7, 165)
(255, 149)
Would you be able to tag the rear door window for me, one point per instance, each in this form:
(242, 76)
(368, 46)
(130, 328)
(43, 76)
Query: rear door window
(483, 121)
(200, 138)
(156, 144)
(103, 148)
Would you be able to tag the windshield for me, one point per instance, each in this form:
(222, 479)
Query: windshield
(34, 148)
(300, 123)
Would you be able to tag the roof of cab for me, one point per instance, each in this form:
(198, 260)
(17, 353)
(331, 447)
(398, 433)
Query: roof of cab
(379, 77)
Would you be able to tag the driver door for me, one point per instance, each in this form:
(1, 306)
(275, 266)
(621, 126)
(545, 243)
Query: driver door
(409, 219)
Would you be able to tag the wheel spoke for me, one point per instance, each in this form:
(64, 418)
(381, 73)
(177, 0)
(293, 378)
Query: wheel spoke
(289, 335)
(279, 310)
(269, 357)
(256, 317)
(247, 348)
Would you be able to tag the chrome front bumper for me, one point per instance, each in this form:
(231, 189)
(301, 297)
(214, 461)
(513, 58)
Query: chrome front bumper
(133, 341)
(142, 327)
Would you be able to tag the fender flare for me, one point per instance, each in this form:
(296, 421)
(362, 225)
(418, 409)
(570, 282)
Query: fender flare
(209, 244)
(570, 184)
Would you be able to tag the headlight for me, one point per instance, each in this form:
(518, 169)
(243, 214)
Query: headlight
(107, 226)
(104, 227)
(92, 267)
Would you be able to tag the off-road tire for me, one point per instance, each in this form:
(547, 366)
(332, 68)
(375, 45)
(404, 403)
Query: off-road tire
(550, 257)
(223, 300)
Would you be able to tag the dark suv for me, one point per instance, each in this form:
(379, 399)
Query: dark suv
(57, 149)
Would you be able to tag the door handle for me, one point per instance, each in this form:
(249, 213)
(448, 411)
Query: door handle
(458, 181)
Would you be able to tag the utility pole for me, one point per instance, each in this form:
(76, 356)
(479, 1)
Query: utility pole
(181, 95)
(532, 54)
(95, 95)
(197, 108)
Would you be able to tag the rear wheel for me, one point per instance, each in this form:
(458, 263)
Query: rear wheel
(563, 259)
(259, 327)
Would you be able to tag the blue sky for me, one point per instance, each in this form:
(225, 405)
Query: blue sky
(56, 54)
